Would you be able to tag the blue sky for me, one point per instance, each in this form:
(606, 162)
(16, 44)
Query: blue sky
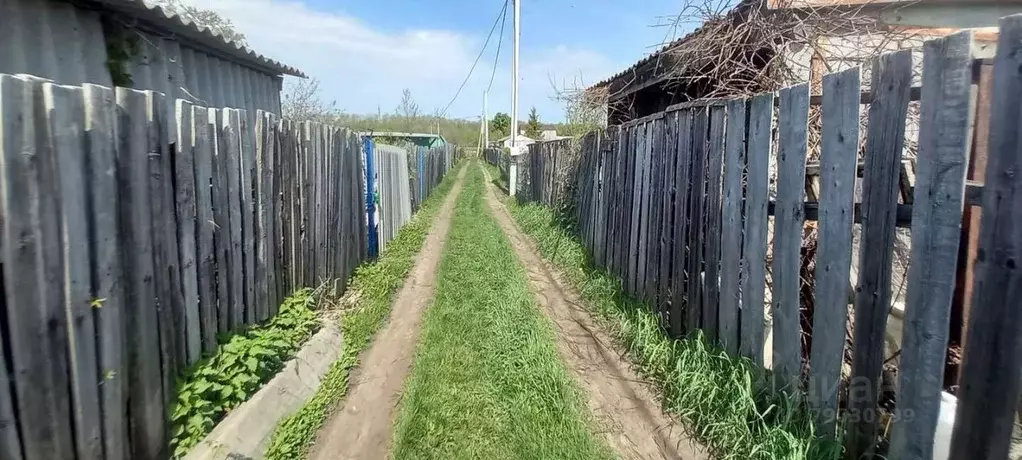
(365, 52)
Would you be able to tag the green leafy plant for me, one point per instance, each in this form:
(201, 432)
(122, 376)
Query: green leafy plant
(375, 283)
(238, 368)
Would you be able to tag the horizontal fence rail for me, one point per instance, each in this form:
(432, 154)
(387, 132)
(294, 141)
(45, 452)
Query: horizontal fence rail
(132, 243)
(701, 211)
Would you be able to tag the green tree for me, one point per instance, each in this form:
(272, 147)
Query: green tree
(500, 126)
(533, 128)
(205, 18)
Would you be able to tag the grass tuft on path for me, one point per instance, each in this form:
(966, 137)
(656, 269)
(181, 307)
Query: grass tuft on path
(376, 283)
(487, 381)
(726, 401)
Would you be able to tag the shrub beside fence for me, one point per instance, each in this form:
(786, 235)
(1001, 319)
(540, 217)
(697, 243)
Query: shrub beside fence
(678, 206)
(130, 241)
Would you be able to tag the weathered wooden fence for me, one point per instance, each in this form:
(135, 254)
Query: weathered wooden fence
(682, 206)
(128, 247)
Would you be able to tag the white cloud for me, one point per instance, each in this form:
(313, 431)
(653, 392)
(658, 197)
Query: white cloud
(362, 68)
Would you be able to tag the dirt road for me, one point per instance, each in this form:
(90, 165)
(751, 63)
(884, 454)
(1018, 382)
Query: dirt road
(363, 428)
(622, 404)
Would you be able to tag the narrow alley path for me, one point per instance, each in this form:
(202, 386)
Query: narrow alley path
(625, 408)
(488, 355)
(362, 428)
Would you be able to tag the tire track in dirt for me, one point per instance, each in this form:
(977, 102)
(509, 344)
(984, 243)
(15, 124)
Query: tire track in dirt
(364, 427)
(624, 406)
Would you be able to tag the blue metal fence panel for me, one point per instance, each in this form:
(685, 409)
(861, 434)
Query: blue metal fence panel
(370, 198)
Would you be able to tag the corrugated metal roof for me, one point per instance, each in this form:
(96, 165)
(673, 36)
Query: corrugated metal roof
(739, 6)
(167, 21)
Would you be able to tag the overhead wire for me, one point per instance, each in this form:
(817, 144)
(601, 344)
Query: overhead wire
(503, 13)
(500, 41)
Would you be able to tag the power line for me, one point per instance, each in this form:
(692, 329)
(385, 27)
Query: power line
(500, 41)
(502, 13)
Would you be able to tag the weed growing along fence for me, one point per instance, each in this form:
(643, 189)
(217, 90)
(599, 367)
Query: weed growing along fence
(677, 205)
(133, 242)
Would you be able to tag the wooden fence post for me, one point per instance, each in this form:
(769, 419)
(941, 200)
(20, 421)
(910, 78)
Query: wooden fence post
(891, 82)
(788, 223)
(107, 279)
(203, 145)
(714, 180)
(731, 233)
(840, 134)
(184, 201)
(754, 260)
(145, 400)
(65, 120)
(941, 163)
(988, 398)
(32, 273)
(697, 187)
(679, 281)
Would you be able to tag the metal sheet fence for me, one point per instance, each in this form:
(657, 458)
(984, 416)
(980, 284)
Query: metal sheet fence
(430, 166)
(127, 249)
(678, 205)
(395, 202)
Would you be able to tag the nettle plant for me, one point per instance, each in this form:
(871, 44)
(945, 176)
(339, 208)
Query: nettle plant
(238, 368)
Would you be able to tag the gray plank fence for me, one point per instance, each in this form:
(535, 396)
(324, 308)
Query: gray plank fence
(677, 206)
(128, 248)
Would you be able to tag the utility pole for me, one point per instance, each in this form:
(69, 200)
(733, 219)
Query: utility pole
(513, 173)
(486, 115)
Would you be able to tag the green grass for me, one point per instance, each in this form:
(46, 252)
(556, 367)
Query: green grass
(375, 283)
(726, 401)
(487, 382)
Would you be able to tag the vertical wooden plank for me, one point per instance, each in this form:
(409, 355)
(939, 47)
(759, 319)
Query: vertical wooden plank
(10, 440)
(891, 82)
(202, 145)
(731, 232)
(165, 252)
(655, 211)
(697, 187)
(283, 204)
(184, 201)
(145, 390)
(945, 116)
(107, 279)
(988, 397)
(308, 160)
(246, 136)
(714, 179)
(221, 219)
(230, 144)
(788, 220)
(645, 195)
(840, 134)
(65, 127)
(679, 281)
(263, 226)
(617, 171)
(754, 259)
(38, 351)
(670, 148)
